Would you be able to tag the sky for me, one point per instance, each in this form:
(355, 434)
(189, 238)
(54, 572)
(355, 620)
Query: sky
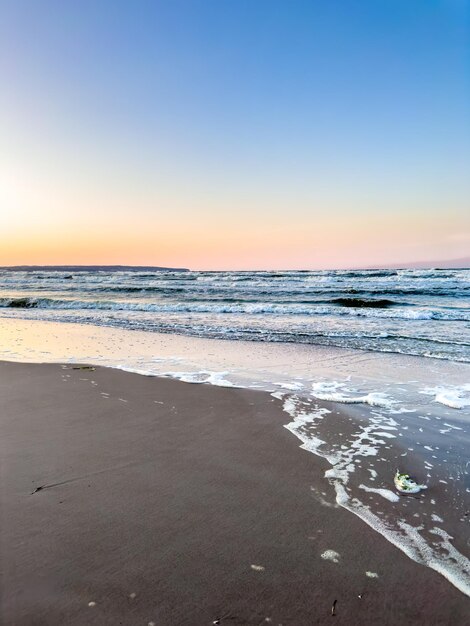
(234, 134)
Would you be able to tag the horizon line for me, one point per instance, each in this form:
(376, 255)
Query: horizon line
(395, 266)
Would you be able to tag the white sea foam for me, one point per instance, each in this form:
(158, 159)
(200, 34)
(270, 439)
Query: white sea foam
(293, 386)
(334, 391)
(385, 493)
(453, 397)
(454, 566)
(202, 377)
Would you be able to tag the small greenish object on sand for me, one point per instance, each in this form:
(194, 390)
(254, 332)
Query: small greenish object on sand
(405, 484)
(331, 555)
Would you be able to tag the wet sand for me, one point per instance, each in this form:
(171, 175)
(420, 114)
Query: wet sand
(160, 502)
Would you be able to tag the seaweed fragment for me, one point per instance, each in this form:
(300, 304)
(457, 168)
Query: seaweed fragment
(333, 608)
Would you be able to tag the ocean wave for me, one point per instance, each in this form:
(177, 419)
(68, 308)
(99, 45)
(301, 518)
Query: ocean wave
(361, 303)
(366, 273)
(18, 303)
(453, 397)
(306, 290)
(255, 289)
(253, 308)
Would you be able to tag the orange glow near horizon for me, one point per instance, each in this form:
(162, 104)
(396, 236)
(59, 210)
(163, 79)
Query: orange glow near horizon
(310, 244)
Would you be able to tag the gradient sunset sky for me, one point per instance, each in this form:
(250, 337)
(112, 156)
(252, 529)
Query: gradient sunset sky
(233, 134)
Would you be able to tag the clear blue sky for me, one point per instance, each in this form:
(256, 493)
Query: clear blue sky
(235, 133)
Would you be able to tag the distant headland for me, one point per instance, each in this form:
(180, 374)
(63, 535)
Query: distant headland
(92, 268)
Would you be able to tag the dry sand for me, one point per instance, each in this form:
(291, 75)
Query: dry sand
(168, 503)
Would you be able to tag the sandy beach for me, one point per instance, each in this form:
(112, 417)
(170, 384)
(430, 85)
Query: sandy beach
(234, 313)
(129, 499)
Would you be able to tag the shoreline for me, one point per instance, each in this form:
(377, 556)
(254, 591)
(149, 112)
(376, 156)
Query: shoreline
(169, 464)
(248, 362)
(227, 339)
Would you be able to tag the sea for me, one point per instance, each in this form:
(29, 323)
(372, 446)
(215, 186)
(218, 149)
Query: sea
(371, 369)
(418, 312)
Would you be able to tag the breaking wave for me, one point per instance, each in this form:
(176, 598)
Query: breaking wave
(360, 303)
(354, 307)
